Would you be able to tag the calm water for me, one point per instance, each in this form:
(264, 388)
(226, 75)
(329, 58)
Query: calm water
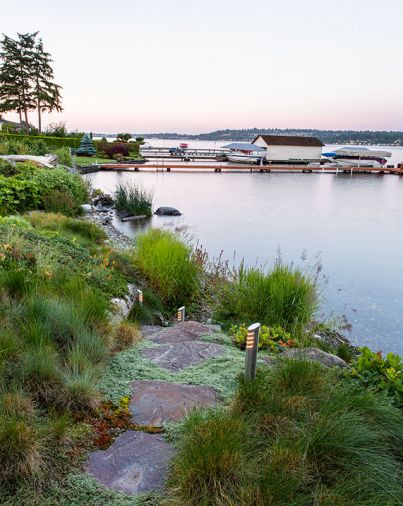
(354, 223)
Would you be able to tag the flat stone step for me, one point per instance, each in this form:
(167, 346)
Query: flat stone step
(156, 402)
(178, 355)
(149, 330)
(136, 462)
(182, 332)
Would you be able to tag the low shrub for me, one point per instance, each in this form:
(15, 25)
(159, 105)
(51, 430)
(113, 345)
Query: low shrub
(168, 264)
(284, 296)
(64, 156)
(273, 338)
(7, 168)
(57, 142)
(133, 199)
(38, 188)
(114, 148)
(379, 373)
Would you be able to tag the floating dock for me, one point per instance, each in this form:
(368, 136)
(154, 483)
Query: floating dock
(227, 167)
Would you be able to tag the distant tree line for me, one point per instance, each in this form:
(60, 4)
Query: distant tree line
(27, 78)
(326, 136)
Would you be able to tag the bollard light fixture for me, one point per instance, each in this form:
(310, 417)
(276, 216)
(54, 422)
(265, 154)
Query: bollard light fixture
(252, 343)
(140, 297)
(181, 314)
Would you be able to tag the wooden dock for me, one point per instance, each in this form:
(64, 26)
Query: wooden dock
(226, 167)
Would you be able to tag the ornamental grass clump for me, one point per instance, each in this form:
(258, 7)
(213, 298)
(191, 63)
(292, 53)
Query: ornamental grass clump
(299, 435)
(133, 199)
(283, 296)
(169, 266)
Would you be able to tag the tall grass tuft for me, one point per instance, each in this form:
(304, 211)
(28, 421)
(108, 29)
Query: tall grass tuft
(297, 435)
(168, 265)
(133, 199)
(283, 296)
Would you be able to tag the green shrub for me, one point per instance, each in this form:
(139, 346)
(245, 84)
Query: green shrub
(284, 296)
(374, 371)
(274, 338)
(57, 142)
(64, 156)
(168, 265)
(133, 199)
(34, 188)
(7, 168)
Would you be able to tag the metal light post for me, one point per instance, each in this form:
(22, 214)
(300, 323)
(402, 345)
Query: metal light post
(181, 314)
(140, 297)
(252, 342)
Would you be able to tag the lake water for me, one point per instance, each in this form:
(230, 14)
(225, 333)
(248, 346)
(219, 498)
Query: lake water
(354, 224)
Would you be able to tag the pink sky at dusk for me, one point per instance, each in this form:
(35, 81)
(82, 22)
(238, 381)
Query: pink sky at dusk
(193, 66)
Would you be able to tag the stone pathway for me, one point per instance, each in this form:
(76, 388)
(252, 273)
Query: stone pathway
(137, 462)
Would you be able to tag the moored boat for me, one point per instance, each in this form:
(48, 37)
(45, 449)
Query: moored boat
(358, 157)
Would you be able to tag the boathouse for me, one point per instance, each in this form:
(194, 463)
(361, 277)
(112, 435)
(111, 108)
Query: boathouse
(290, 148)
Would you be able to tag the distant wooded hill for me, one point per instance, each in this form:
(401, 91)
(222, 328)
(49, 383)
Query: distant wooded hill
(327, 136)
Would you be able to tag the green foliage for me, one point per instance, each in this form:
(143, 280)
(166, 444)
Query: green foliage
(39, 188)
(150, 311)
(379, 373)
(297, 435)
(56, 142)
(86, 147)
(133, 199)
(284, 296)
(169, 267)
(7, 169)
(64, 156)
(273, 338)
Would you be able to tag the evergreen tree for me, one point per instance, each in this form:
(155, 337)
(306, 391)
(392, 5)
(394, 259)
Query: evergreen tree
(47, 93)
(26, 78)
(86, 147)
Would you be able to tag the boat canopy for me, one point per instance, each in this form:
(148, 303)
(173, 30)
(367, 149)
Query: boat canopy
(359, 153)
(243, 146)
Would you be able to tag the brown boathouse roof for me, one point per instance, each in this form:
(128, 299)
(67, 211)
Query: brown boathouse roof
(289, 140)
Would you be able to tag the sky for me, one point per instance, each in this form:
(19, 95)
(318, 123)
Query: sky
(200, 65)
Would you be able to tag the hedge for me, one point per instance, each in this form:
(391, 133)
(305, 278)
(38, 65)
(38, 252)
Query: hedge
(57, 142)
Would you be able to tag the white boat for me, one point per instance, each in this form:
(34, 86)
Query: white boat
(358, 157)
(240, 158)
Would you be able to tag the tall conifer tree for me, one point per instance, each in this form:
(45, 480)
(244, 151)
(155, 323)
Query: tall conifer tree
(47, 92)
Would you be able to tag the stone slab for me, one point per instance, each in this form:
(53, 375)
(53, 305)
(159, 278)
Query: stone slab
(315, 355)
(177, 356)
(136, 462)
(156, 402)
(149, 330)
(182, 332)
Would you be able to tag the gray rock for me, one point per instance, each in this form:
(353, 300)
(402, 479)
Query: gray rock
(136, 462)
(124, 305)
(183, 332)
(167, 211)
(316, 355)
(87, 208)
(177, 356)
(156, 402)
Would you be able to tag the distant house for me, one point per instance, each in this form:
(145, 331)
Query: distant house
(288, 148)
(5, 124)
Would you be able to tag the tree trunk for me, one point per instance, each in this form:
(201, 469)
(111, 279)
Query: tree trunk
(39, 117)
(26, 120)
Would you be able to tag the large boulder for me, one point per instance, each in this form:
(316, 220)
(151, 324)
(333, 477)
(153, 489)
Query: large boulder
(167, 211)
(315, 355)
